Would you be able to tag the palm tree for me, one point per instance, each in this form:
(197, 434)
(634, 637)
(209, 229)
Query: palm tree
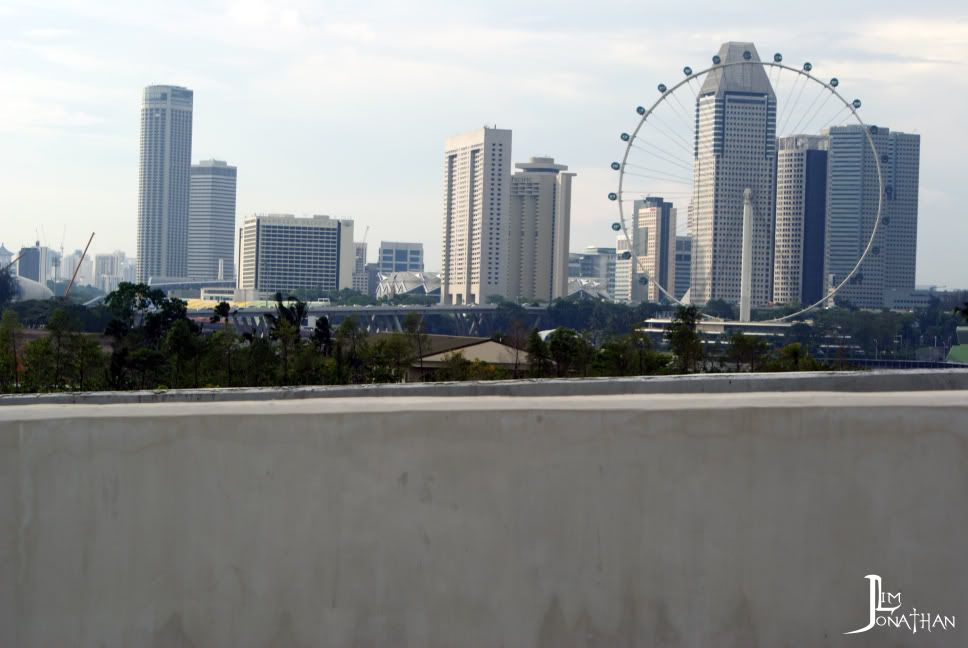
(284, 326)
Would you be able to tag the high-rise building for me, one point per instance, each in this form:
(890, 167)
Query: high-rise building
(539, 220)
(84, 268)
(683, 265)
(163, 183)
(853, 192)
(211, 221)
(280, 253)
(597, 263)
(735, 150)
(361, 282)
(110, 270)
(477, 179)
(34, 263)
(400, 257)
(653, 248)
(801, 207)
(6, 257)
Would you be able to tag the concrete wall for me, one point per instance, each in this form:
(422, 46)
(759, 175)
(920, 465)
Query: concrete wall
(662, 520)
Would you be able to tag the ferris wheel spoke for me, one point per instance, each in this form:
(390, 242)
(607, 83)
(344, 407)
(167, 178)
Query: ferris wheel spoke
(816, 113)
(793, 109)
(676, 139)
(653, 172)
(665, 157)
(836, 118)
(810, 107)
(786, 105)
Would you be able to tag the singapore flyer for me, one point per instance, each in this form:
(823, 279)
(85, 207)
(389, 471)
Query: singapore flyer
(735, 156)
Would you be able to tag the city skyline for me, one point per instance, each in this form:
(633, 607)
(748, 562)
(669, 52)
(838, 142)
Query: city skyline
(881, 61)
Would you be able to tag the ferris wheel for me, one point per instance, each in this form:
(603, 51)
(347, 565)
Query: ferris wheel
(707, 145)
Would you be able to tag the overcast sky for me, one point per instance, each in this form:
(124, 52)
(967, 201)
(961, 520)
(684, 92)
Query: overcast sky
(342, 108)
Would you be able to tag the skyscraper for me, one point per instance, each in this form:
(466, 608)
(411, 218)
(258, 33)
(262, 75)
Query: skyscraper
(395, 256)
(735, 149)
(853, 192)
(477, 170)
(653, 246)
(539, 220)
(597, 263)
(211, 221)
(361, 282)
(163, 182)
(683, 265)
(801, 199)
(281, 253)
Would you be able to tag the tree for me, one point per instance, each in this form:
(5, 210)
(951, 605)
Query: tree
(9, 288)
(683, 338)
(747, 350)
(10, 332)
(564, 346)
(184, 347)
(87, 362)
(58, 327)
(39, 366)
(350, 350)
(390, 358)
(221, 313)
(963, 311)
(539, 358)
(284, 327)
(413, 327)
(322, 336)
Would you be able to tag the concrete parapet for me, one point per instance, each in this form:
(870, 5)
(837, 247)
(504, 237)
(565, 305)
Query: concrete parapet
(687, 519)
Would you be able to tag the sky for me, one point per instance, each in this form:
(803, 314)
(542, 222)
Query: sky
(342, 108)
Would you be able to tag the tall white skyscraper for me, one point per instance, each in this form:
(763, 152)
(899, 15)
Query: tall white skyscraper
(477, 178)
(735, 150)
(539, 222)
(653, 237)
(281, 253)
(801, 198)
(163, 183)
(852, 197)
(211, 221)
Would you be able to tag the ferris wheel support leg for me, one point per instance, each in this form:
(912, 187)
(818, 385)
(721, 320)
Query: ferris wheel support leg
(746, 273)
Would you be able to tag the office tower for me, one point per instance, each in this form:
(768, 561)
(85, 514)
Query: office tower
(623, 291)
(653, 235)
(735, 150)
(34, 263)
(683, 266)
(281, 253)
(6, 257)
(360, 277)
(539, 221)
(211, 221)
(596, 263)
(801, 207)
(400, 257)
(84, 268)
(163, 183)
(477, 178)
(853, 192)
(110, 270)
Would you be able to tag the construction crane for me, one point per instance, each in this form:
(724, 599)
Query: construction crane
(67, 291)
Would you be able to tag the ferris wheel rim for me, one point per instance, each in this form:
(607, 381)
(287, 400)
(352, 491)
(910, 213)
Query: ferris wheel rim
(805, 71)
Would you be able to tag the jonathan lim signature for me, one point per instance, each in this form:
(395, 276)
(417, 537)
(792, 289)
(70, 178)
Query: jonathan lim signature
(884, 608)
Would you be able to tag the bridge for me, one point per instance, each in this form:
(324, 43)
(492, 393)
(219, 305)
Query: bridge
(455, 320)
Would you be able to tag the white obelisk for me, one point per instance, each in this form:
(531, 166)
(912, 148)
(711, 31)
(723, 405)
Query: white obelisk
(746, 272)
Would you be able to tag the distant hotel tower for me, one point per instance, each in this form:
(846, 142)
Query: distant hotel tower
(539, 221)
(282, 253)
(477, 178)
(801, 198)
(211, 221)
(852, 197)
(735, 150)
(163, 183)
